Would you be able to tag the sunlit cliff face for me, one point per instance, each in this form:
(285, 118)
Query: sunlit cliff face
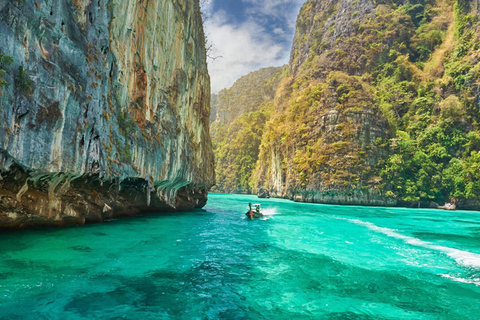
(116, 89)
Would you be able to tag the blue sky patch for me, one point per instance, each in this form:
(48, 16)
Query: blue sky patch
(247, 35)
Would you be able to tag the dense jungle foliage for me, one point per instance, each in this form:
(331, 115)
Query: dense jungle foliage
(430, 98)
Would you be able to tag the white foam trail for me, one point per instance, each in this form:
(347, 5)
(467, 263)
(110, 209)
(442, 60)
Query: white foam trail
(270, 212)
(464, 258)
(475, 281)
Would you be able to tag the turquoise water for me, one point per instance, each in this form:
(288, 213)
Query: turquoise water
(304, 261)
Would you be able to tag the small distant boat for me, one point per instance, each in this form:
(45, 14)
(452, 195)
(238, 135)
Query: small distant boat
(254, 211)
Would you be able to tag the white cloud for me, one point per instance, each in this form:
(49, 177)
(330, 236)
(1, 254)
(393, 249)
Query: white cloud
(247, 46)
(240, 49)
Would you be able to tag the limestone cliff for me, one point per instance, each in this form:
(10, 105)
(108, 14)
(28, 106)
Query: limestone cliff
(325, 140)
(326, 145)
(105, 111)
(381, 106)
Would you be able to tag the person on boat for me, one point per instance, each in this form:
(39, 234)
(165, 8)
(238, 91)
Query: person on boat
(250, 211)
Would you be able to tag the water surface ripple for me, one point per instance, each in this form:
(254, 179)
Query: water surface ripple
(303, 261)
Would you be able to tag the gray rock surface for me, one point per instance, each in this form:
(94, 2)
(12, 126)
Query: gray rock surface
(113, 91)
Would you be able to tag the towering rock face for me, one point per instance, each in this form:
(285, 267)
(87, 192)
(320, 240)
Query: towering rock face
(105, 111)
(324, 142)
(380, 108)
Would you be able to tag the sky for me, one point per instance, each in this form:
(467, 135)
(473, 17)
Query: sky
(246, 35)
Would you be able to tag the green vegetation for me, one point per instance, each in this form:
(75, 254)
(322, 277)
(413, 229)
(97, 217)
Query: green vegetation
(236, 150)
(126, 123)
(390, 106)
(435, 145)
(247, 94)
(127, 126)
(242, 112)
(4, 62)
(23, 83)
(123, 149)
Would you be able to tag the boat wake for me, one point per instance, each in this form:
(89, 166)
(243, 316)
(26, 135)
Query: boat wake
(462, 257)
(270, 212)
(267, 214)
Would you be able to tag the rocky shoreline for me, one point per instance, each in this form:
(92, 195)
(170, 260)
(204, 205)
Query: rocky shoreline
(370, 199)
(31, 198)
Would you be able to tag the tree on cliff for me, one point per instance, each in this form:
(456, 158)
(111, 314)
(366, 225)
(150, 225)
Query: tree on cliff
(5, 60)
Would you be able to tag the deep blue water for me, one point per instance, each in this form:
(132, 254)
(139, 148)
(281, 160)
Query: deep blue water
(304, 261)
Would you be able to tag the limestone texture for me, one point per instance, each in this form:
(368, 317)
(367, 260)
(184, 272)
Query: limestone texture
(105, 112)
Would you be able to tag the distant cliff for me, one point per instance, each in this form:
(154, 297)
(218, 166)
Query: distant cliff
(247, 94)
(105, 110)
(241, 113)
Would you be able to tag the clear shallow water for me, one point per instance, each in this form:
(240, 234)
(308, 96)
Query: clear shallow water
(305, 261)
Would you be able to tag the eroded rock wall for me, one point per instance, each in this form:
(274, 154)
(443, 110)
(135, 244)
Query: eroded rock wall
(113, 93)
